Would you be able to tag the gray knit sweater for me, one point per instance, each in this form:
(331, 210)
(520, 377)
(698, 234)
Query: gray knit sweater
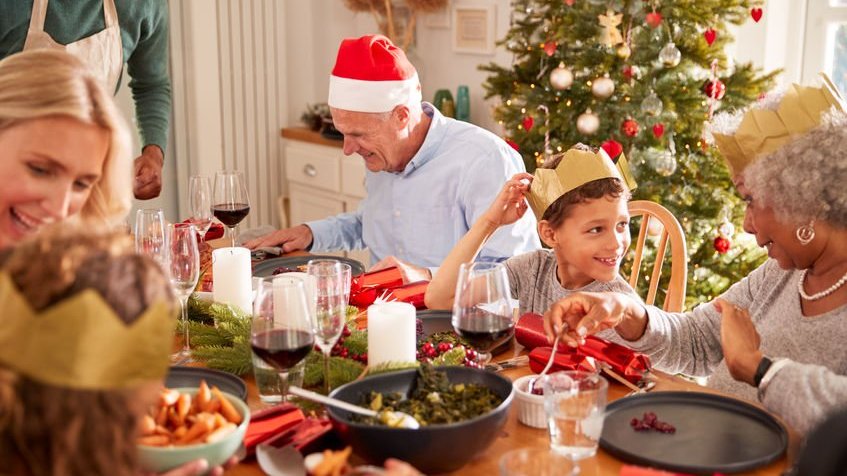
(811, 384)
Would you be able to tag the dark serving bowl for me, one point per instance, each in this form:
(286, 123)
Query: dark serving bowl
(430, 449)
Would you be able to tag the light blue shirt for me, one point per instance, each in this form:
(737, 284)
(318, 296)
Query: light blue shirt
(419, 214)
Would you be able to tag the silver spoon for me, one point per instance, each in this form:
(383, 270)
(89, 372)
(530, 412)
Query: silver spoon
(532, 382)
(395, 419)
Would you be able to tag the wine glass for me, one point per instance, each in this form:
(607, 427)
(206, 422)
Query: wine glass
(330, 306)
(482, 309)
(184, 269)
(231, 204)
(282, 332)
(200, 204)
(150, 234)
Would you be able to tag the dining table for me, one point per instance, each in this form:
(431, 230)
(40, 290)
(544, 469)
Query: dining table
(517, 435)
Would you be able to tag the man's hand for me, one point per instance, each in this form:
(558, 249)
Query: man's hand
(740, 341)
(290, 239)
(410, 272)
(148, 173)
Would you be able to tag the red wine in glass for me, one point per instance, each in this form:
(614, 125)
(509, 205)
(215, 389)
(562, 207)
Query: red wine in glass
(231, 214)
(282, 348)
(485, 330)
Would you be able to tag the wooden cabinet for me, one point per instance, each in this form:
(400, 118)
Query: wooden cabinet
(321, 181)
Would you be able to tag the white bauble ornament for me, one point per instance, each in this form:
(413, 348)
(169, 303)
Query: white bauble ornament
(603, 87)
(665, 163)
(670, 55)
(655, 227)
(587, 123)
(727, 229)
(561, 77)
(652, 105)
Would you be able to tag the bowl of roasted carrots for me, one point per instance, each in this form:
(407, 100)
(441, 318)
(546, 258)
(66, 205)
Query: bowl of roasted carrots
(191, 423)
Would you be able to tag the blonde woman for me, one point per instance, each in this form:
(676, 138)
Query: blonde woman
(64, 147)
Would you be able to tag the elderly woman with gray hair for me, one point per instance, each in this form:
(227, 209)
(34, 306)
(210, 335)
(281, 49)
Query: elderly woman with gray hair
(778, 334)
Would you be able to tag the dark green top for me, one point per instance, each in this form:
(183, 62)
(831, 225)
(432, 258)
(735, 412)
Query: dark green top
(144, 34)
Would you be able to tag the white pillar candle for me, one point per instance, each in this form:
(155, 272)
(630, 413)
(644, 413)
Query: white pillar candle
(391, 333)
(280, 297)
(233, 278)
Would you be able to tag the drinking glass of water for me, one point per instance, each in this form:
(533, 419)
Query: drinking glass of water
(575, 404)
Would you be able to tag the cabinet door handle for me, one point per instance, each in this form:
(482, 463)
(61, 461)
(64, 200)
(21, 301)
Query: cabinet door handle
(310, 170)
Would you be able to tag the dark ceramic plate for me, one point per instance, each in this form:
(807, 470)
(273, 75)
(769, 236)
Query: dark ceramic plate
(182, 376)
(713, 433)
(266, 268)
(431, 449)
(441, 321)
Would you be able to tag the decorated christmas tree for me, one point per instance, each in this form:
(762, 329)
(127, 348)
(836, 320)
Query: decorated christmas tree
(642, 78)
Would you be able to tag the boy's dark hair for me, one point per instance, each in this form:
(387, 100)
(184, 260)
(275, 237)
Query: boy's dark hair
(561, 209)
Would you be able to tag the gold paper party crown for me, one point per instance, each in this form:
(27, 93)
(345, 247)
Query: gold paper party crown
(763, 131)
(576, 168)
(81, 343)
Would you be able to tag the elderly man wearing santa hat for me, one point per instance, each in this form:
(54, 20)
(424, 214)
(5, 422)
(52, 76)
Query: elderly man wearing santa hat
(429, 177)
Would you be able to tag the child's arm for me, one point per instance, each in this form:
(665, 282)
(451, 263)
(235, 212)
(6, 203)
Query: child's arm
(507, 208)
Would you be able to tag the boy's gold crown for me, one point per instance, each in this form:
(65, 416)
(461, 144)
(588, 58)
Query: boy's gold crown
(763, 131)
(576, 168)
(81, 343)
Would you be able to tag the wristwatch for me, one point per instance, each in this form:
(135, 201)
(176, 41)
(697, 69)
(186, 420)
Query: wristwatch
(761, 370)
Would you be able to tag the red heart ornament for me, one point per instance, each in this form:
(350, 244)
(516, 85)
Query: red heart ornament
(756, 13)
(658, 130)
(550, 47)
(710, 36)
(527, 123)
(654, 19)
(613, 148)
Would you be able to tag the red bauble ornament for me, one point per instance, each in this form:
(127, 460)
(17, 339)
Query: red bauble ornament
(722, 244)
(627, 72)
(710, 36)
(550, 47)
(613, 148)
(756, 13)
(714, 88)
(630, 127)
(658, 130)
(569, 3)
(513, 144)
(654, 19)
(527, 123)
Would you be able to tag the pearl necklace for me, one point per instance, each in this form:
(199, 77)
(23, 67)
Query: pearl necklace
(826, 292)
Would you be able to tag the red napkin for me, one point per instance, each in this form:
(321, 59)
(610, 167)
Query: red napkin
(268, 423)
(632, 365)
(306, 437)
(215, 231)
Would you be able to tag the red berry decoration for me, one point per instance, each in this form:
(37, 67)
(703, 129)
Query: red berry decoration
(630, 127)
(722, 244)
(654, 19)
(527, 123)
(710, 36)
(658, 130)
(756, 13)
(550, 47)
(714, 88)
(613, 148)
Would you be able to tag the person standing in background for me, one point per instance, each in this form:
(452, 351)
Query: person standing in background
(106, 34)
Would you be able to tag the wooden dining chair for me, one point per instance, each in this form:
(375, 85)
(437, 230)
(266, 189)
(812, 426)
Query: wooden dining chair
(671, 232)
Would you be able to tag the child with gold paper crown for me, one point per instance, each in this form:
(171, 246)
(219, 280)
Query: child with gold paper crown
(580, 200)
(86, 334)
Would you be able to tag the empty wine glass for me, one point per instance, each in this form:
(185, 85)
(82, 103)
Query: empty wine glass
(231, 203)
(482, 309)
(330, 306)
(282, 332)
(150, 234)
(200, 204)
(184, 269)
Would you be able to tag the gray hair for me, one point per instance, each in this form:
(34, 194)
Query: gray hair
(805, 179)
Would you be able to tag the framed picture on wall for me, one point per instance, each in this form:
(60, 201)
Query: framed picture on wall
(473, 29)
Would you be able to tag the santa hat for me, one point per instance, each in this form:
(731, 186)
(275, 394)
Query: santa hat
(372, 75)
